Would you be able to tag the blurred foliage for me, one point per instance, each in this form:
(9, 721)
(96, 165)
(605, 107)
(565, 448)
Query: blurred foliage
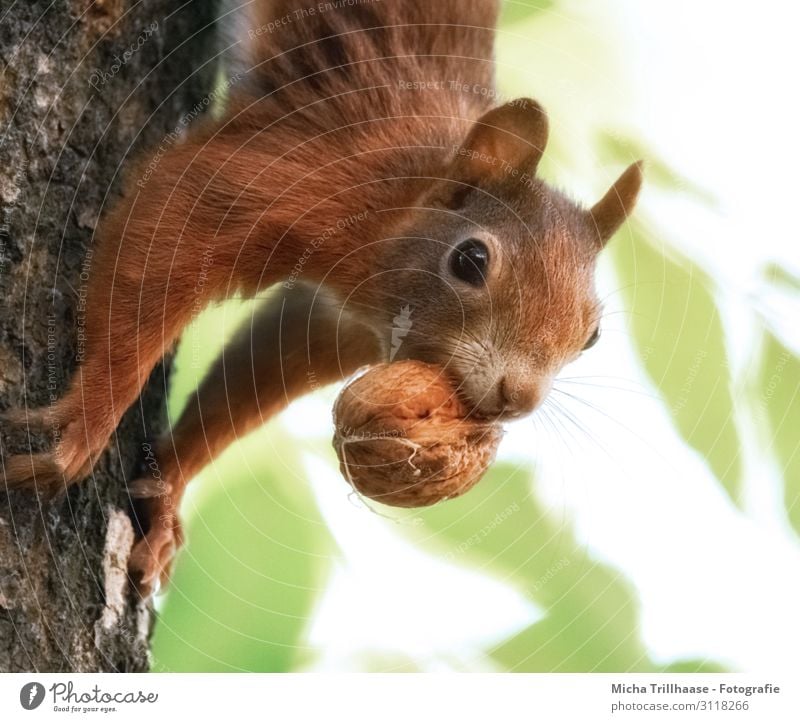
(246, 585)
(515, 11)
(199, 346)
(777, 401)
(591, 619)
(675, 323)
(781, 276)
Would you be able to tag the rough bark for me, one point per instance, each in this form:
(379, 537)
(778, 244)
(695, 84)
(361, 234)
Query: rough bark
(83, 85)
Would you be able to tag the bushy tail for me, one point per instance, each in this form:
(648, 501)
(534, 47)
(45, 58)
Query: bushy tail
(297, 48)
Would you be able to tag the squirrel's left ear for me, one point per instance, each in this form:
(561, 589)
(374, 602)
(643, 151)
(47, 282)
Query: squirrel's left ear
(506, 141)
(610, 212)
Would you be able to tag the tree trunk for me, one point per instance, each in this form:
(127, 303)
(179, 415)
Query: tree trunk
(83, 85)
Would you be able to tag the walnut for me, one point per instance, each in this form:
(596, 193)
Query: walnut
(405, 439)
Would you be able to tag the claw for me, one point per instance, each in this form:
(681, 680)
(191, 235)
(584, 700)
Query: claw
(151, 560)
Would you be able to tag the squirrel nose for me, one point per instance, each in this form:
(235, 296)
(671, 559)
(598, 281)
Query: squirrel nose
(521, 396)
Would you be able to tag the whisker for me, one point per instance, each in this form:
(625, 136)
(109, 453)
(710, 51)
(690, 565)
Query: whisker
(570, 417)
(613, 387)
(634, 284)
(554, 407)
(615, 421)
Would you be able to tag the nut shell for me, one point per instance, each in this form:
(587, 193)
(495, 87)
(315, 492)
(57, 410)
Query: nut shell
(404, 438)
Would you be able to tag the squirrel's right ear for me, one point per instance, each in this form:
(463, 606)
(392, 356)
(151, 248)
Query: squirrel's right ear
(503, 143)
(610, 212)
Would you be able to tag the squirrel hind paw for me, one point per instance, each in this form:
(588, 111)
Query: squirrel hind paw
(39, 472)
(48, 473)
(34, 419)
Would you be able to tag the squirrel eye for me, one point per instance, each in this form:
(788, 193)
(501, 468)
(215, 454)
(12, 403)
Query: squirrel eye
(593, 339)
(469, 262)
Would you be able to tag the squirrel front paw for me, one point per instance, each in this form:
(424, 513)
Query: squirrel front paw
(161, 535)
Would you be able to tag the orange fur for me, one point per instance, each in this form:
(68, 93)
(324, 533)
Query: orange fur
(359, 146)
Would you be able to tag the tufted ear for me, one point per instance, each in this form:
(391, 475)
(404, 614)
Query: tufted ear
(610, 212)
(503, 143)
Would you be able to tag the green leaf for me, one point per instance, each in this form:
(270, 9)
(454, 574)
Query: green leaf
(781, 276)
(591, 612)
(778, 406)
(201, 343)
(695, 666)
(247, 581)
(676, 326)
(515, 11)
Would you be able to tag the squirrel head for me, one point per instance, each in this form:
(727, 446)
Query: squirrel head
(492, 271)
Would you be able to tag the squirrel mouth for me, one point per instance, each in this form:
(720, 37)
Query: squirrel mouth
(487, 415)
(494, 416)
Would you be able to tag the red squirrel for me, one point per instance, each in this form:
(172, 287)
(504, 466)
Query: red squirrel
(363, 169)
